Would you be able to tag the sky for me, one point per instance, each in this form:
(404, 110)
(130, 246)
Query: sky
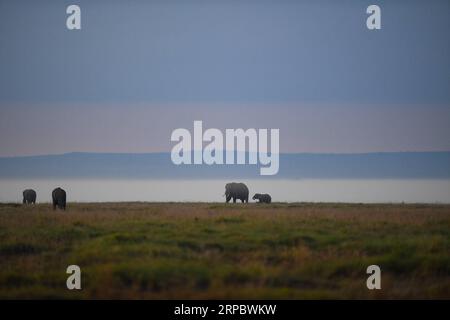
(139, 69)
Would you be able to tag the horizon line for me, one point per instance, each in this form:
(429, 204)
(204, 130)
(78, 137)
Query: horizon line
(235, 151)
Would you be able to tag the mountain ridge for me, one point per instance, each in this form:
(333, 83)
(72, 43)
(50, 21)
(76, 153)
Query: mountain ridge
(407, 164)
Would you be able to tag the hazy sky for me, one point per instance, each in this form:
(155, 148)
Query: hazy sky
(139, 69)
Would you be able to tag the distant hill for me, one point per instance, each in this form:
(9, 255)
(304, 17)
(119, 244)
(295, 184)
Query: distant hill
(292, 166)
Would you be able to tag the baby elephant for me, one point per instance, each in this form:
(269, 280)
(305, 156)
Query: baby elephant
(263, 198)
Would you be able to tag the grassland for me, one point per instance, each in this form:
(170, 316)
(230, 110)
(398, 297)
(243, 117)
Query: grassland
(201, 250)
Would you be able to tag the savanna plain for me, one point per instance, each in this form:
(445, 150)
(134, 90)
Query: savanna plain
(220, 251)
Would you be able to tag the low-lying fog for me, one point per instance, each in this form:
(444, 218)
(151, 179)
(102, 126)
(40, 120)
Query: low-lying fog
(328, 190)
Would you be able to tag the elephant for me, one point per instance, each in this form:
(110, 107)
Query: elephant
(263, 198)
(59, 199)
(236, 191)
(29, 196)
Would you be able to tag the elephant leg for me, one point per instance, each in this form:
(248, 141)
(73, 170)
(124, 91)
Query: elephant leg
(234, 200)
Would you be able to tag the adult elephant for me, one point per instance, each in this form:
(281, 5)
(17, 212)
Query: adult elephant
(29, 196)
(59, 199)
(236, 191)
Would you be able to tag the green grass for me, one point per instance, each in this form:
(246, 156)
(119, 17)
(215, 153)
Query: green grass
(201, 250)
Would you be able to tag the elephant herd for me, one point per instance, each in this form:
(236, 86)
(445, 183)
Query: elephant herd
(239, 191)
(233, 190)
(58, 198)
